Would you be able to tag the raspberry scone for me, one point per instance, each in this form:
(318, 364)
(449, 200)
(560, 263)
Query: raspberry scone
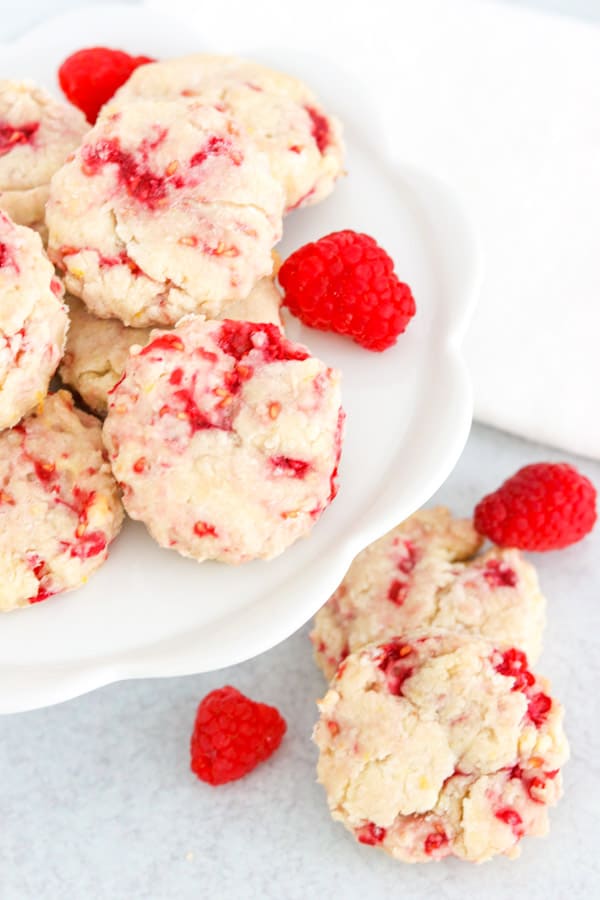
(97, 349)
(422, 574)
(225, 438)
(303, 143)
(439, 744)
(59, 503)
(33, 321)
(37, 133)
(166, 209)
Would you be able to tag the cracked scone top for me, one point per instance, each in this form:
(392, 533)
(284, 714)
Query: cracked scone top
(59, 503)
(225, 438)
(438, 745)
(165, 209)
(37, 133)
(33, 321)
(97, 349)
(303, 143)
(422, 574)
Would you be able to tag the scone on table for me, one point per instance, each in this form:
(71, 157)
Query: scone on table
(440, 744)
(33, 321)
(427, 573)
(97, 349)
(166, 209)
(281, 114)
(37, 134)
(59, 503)
(225, 438)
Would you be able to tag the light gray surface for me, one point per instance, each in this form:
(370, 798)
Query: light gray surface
(96, 800)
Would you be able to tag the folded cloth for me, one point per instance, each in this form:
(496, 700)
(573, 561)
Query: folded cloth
(505, 104)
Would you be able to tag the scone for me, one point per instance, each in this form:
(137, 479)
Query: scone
(166, 209)
(225, 438)
(284, 118)
(33, 321)
(37, 133)
(97, 349)
(422, 574)
(435, 745)
(59, 503)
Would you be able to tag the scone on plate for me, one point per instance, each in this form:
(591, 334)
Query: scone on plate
(33, 321)
(59, 503)
(37, 134)
(166, 209)
(281, 114)
(97, 349)
(225, 438)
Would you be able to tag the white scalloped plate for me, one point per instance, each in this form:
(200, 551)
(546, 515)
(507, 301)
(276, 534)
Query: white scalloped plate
(149, 612)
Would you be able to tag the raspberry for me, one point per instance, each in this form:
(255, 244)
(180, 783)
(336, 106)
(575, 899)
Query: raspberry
(544, 506)
(90, 77)
(345, 282)
(232, 735)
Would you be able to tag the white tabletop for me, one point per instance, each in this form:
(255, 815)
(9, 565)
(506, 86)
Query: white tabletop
(96, 798)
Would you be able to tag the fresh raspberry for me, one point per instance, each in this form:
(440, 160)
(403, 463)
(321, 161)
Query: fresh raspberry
(346, 283)
(233, 734)
(90, 77)
(544, 506)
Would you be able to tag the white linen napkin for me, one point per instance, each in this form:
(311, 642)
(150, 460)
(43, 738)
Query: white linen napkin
(504, 104)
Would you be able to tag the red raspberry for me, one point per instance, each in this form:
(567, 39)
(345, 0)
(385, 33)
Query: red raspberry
(232, 735)
(90, 77)
(544, 506)
(346, 283)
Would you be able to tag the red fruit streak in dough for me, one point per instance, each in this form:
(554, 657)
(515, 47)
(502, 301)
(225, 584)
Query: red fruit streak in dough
(237, 339)
(296, 468)
(407, 564)
(12, 136)
(319, 128)
(7, 258)
(105, 262)
(512, 818)
(163, 342)
(397, 592)
(538, 708)
(370, 834)
(216, 146)
(435, 841)
(394, 665)
(89, 545)
(134, 174)
(514, 665)
(204, 529)
(498, 574)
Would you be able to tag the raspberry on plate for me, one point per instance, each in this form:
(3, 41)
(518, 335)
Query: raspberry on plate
(90, 77)
(544, 506)
(232, 735)
(345, 282)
